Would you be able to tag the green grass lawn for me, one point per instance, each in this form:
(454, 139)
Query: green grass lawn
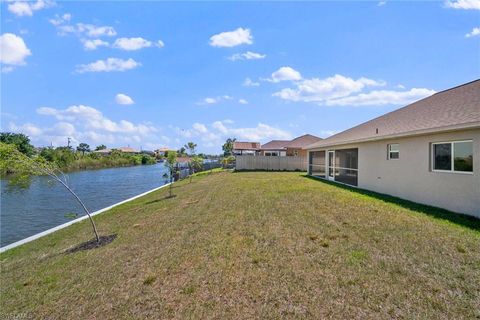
(253, 245)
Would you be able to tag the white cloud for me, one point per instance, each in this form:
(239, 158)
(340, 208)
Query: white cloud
(327, 133)
(81, 29)
(321, 90)
(381, 3)
(242, 101)
(87, 124)
(475, 32)
(13, 51)
(60, 19)
(123, 99)
(93, 44)
(382, 97)
(209, 100)
(214, 100)
(92, 118)
(247, 56)
(108, 65)
(285, 74)
(261, 132)
(95, 31)
(249, 83)
(29, 129)
(339, 90)
(463, 4)
(7, 69)
(26, 8)
(215, 134)
(232, 38)
(200, 127)
(130, 44)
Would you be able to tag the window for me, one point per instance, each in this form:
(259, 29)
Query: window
(456, 156)
(393, 151)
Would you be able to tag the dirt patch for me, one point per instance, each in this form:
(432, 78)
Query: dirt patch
(93, 244)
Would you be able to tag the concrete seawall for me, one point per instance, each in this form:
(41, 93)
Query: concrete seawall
(62, 226)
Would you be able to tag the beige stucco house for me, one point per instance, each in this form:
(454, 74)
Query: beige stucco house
(427, 152)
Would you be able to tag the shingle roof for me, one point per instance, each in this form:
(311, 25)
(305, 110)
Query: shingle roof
(302, 141)
(122, 149)
(275, 145)
(238, 145)
(455, 108)
(128, 150)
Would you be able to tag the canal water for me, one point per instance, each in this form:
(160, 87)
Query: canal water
(45, 204)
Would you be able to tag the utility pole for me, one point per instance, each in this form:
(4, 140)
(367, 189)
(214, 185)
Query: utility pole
(68, 144)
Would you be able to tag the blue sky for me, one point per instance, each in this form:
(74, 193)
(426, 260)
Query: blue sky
(153, 74)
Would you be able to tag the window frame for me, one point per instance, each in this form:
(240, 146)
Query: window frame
(389, 151)
(452, 157)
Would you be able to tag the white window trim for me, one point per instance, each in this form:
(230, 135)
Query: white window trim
(389, 151)
(432, 151)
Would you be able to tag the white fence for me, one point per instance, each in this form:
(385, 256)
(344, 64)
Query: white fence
(271, 163)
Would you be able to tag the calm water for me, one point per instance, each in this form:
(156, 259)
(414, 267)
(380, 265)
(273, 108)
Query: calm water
(25, 212)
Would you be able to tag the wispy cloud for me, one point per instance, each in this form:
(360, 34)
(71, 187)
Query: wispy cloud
(85, 124)
(285, 74)
(231, 38)
(123, 99)
(27, 8)
(463, 4)
(214, 100)
(250, 83)
(474, 33)
(137, 43)
(108, 65)
(339, 90)
(93, 44)
(247, 56)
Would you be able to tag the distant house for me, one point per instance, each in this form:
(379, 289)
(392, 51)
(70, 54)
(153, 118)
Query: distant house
(246, 148)
(289, 147)
(121, 149)
(275, 148)
(161, 151)
(427, 152)
(296, 146)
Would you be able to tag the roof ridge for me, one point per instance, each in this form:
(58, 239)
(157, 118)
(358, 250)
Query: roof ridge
(460, 85)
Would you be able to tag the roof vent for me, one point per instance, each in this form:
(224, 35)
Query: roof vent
(376, 131)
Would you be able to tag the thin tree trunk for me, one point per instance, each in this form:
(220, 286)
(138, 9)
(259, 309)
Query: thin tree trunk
(84, 208)
(52, 174)
(172, 177)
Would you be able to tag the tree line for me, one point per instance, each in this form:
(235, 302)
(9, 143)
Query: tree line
(67, 158)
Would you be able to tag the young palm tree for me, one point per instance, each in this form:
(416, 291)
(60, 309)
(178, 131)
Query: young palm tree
(171, 164)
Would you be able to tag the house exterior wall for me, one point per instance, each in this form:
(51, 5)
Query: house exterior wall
(245, 152)
(278, 153)
(300, 152)
(410, 177)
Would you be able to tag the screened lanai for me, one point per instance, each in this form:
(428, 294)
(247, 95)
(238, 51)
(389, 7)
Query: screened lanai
(336, 165)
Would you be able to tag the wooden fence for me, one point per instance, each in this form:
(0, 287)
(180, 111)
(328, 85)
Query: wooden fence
(271, 163)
